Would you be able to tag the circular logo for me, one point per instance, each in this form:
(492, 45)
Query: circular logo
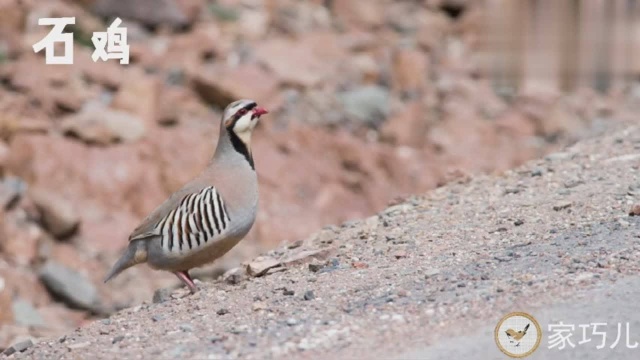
(518, 335)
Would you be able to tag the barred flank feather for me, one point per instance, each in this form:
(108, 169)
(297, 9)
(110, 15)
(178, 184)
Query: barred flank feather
(198, 218)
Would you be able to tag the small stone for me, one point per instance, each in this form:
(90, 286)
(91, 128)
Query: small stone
(635, 210)
(431, 273)
(104, 331)
(161, 295)
(288, 292)
(217, 338)
(258, 305)
(105, 321)
(558, 156)
(400, 254)
(18, 347)
(239, 329)
(561, 206)
(306, 256)
(234, 276)
(537, 172)
(309, 295)
(157, 317)
(518, 222)
(117, 339)
(359, 265)
(315, 267)
(79, 345)
(222, 311)
(292, 322)
(572, 183)
(261, 265)
(186, 328)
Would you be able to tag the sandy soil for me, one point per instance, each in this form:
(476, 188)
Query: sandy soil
(407, 278)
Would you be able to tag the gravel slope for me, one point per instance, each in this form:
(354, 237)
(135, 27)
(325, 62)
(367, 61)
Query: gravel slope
(429, 270)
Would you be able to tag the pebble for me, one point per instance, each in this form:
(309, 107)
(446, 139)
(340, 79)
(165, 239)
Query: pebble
(518, 222)
(309, 295)
(222, 311)
(105, 321)
(561, 205)
(635, 210)
(260, 265)
(186, 328)
(157, 317)
(315, 267)
(79, 345)
(537, 172)
(161, 295)
(18, 347)
(292, 322)
(431, 273)
(258, 305)
(117, 339)
(288, 292)
(400, 254)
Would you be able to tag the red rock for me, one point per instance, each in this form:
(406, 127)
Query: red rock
(363, 13)
(635, 210)
(23, 283)
(175, 13)
(359, 265)
(6, 317)
(21, 238)
(107, 73)
(367, 68)
(58, 215)
(190, 50)
(409, 127)
(12, 15)
(97, 124)
(302, 63)
(106, 183)
(139, 95)
(410, 71)
(432, 29)
(53, 87)
(221, 86)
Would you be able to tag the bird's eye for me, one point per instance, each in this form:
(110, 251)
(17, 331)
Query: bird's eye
(242, 111)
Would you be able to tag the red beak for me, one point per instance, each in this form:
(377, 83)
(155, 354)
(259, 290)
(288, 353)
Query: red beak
(258, 111)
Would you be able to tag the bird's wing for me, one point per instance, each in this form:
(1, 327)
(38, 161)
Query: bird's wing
(149, 226)
(510, 332)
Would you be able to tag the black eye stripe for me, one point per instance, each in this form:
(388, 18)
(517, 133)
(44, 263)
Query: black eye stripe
(248, 107)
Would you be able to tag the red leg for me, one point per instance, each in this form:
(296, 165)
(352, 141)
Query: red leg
(184, 276)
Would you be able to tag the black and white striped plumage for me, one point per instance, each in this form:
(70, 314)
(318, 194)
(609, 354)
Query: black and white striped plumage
(199, 218)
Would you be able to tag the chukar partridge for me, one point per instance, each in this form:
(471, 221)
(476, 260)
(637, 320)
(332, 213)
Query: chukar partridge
(210, 214)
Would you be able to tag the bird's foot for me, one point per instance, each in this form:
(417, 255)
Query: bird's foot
(186, 279)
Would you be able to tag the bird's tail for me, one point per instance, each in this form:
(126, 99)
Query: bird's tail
(135, 253)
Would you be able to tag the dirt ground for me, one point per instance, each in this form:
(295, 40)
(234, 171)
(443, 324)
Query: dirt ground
(415, 276)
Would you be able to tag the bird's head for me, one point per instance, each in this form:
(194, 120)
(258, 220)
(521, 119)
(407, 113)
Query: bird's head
(241, 117)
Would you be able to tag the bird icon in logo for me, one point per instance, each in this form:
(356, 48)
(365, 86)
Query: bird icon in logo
(516, 336)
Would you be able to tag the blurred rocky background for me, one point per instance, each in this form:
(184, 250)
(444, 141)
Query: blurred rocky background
(370, 100)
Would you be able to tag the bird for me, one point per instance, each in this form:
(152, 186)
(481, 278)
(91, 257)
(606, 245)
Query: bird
(516, 336)
(210, 214)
